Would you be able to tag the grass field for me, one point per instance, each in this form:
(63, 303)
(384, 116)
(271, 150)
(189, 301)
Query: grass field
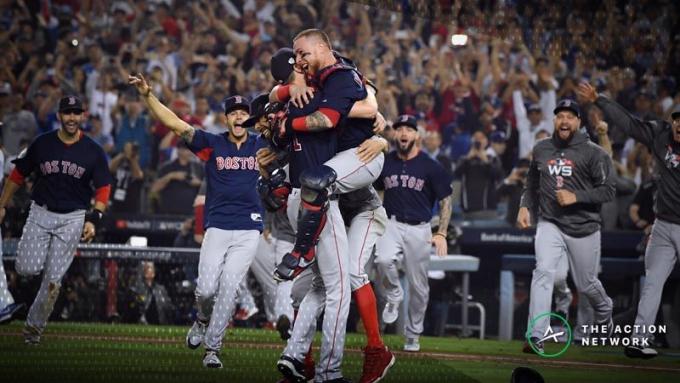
(74, 352)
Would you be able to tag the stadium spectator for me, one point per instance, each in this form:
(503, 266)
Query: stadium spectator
(128, 180)
(511, 189)
(155, 306)
(479, 174)
(133, 128)
(178, 182)
(93, 129)
(17, 123)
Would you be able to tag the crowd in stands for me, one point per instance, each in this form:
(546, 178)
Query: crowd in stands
(481, 105)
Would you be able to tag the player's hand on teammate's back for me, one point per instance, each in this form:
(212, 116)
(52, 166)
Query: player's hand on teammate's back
(565, 197)
(264, 157)
(139, 82)
(586, 93)
(379, 124)
(88, 232)
(441, 247)
(369, 149)
(301, 95)
(523, 218)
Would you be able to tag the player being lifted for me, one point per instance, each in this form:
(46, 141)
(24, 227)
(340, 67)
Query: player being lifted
(232, 220)
(65, 163)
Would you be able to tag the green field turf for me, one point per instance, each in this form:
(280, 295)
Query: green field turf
(73, 352)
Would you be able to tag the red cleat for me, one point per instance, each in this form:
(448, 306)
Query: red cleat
(377, 361)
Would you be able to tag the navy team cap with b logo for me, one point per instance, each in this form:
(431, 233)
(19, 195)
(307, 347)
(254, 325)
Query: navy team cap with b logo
(70, 104)
(406, 120)
(282, 64)
(236, 102)
(570, 105)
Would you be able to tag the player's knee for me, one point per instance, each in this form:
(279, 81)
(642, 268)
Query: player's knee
(27, 267)
(205, 289)
(315, 183)
(357, 281)
(544, 277)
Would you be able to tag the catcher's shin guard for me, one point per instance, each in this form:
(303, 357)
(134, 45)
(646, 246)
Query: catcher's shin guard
(315, 191)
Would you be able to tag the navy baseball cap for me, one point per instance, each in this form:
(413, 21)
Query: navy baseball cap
(70, 104)
(534, 108)
(675, 114)
(257, 109)
(236, 102)
(282, 63)
(406, 120)
(570, 105)
(498, 136)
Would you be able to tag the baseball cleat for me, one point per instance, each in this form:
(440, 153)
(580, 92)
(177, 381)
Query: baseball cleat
(211, 359)
(245, 313)
(293, 369)
(283, 327)
(412, 345)
(527, 349)
(291, 266)
(7, 314)
(377, 361)
(640, 352)
(390, 312)
(196, 334)
(31, 335)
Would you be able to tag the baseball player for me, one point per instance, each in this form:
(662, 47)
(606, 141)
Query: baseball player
(412, 183)
(233, 219)
(663, 140)
(569, 178)
(334, 78)
(9, 308)
(362, 209)
(66, 164)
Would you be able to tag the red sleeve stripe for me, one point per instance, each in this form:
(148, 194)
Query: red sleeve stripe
(204, 154)
(16, 177)
(199, 211)
(299, 124)
(332, 115)
(102, 194)
(283, 93)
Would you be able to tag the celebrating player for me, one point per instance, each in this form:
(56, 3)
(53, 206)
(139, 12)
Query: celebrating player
(412, 183)
(663, 140)
(233, 217)
(569, 178)
(65, 163)
(8, 308)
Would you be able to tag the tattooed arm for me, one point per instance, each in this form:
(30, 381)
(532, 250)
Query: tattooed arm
(439, 238)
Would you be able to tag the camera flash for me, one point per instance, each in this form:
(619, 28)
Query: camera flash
(74, 42)
(458, 40)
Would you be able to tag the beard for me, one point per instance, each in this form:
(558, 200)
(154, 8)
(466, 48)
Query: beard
(405, 149)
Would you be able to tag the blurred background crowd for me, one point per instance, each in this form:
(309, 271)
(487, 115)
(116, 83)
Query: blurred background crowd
(481, 103)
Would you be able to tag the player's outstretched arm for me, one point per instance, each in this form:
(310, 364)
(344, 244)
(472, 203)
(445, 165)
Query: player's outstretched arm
(366, 108)
(160, 111)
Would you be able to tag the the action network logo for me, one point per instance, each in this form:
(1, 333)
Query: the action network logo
(550, 335)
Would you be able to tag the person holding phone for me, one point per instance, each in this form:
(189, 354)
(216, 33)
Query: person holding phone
(479, 174)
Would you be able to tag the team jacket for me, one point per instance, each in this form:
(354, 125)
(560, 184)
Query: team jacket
(657, 136)
(579, 166)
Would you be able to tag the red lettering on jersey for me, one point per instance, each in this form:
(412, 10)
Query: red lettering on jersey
(251, 163)
(64, 166)
(72, 169)
(54, 165)
(411, 182)
(419, 184)
(227, 163)
(404, 180)
(219, 161)
(79, 172)
(42, 169)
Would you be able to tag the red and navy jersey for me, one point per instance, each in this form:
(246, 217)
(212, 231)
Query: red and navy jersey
(231, 201)
(309, 150)
(412, 187)
(65, 173)
(340, 90)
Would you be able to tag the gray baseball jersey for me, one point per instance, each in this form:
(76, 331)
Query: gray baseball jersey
(663, 249)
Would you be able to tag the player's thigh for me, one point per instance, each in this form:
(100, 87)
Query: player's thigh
(301, 285)
(362, 235)
(34, 242)
(293, 207)
(390, 246)
(661, 252)
(332, 252)
(549, 246)
(211, 259)
(65, 238)
(353, 174)
(417, 250)
(240, 253)
(584, 257)
(264, 263)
